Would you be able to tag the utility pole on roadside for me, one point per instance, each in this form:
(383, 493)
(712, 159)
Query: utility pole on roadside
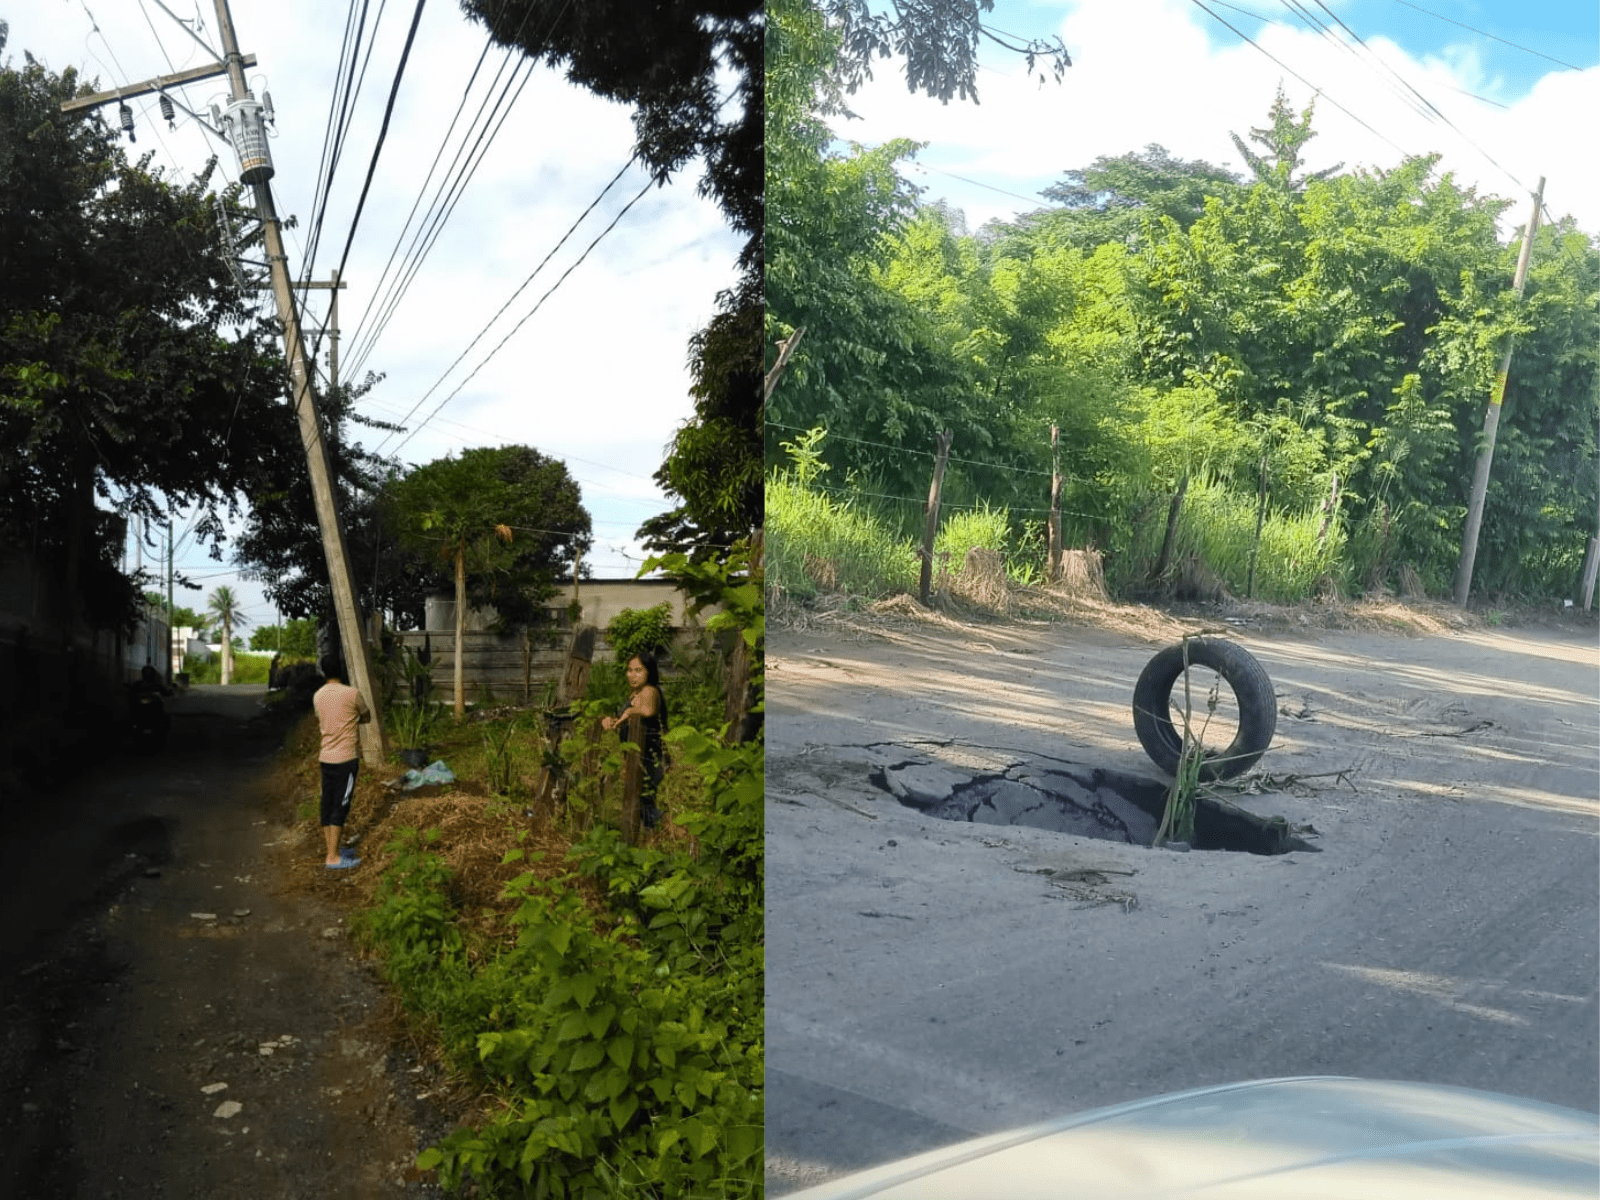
(333, 322)
(1491, 424)
(246, 130)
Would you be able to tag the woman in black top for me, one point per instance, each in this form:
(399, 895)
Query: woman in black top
(648, 703)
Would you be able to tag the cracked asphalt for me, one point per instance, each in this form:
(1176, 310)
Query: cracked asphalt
(929, 980)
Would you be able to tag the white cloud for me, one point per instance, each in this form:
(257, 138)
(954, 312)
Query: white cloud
(599, 373)
(1158, 71)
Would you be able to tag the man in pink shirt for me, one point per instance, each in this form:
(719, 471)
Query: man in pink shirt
(339, 710)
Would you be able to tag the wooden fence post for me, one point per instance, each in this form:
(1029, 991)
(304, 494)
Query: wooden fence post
(580, 653)
(1052, 553)
(930, 524)
(1255, 546)
(632, 777)
(1172, 529)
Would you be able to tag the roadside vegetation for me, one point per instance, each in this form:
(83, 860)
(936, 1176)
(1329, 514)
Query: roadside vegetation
(1287, 370)
(602, 1000)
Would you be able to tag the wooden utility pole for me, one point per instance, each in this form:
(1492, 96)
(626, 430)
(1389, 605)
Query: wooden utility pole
(930, 515)
(1491, 424)
(1052, 552)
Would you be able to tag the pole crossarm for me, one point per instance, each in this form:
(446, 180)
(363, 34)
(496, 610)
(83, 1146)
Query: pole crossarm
(158, 84)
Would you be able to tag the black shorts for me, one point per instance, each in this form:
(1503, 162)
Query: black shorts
(338, 786)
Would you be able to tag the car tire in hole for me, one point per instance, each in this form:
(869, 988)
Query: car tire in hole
(1258, 707)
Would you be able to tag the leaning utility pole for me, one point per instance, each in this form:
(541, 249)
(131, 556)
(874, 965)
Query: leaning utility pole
(248, 135)
(249, 138)
(1491, 424)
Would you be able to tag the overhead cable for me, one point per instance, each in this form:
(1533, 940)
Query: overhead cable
(521, 288)
(625, 208)
(1481, 33)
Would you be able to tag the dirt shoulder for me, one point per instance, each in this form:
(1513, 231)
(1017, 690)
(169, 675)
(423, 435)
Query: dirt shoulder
(930, 979)
(182, 1020)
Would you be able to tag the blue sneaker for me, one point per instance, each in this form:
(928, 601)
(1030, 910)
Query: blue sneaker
(344, 863)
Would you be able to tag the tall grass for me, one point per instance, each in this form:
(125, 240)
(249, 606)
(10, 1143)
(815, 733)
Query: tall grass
(816, 544)
(1219, 527)
(965, 529)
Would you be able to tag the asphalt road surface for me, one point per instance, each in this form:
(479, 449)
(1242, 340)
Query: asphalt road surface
(931, 980)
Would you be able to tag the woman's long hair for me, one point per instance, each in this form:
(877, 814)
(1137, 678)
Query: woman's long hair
(652, 678)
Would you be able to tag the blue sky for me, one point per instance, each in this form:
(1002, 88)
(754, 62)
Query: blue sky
(1165, 71)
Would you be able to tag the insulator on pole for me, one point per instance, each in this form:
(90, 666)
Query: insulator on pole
(266, 108)
(127, 121)
(167, 112)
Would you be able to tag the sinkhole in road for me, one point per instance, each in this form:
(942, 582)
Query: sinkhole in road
(1085, 801)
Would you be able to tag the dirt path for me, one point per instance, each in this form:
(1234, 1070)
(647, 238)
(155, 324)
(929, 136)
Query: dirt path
(931, 979)
(151, 954)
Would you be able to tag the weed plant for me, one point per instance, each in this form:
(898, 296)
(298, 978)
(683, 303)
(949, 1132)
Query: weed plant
(1219, 527)
(816, 544)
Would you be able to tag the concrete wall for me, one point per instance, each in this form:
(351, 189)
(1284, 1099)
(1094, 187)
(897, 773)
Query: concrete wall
(61, 686)
(601, 599)
(502, 667)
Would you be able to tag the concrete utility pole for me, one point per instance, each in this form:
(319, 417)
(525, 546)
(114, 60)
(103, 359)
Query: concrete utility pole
(1491, 424)
(249, 139)
(248, 135)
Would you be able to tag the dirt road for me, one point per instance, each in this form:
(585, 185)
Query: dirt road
(177, 1024)
(931, 979)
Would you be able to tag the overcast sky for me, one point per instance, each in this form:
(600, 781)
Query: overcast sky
(596, 377)
(1165, 71)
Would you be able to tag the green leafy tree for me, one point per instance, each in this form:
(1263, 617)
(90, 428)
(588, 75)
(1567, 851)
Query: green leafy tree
(224, 609)
(1113, 198)
(505, 518)
(1282, 142)
(295, 638)
(122, 337)
(938, 42)
(111, 343)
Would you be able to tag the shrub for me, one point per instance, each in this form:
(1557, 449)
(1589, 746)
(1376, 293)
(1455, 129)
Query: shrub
(640, 631)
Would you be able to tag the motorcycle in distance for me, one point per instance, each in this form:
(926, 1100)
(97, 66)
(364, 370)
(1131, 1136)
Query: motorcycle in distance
(148, 722)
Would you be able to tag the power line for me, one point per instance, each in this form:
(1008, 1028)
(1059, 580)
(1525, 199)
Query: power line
(570, 231)
(1034, 200)
(1431, 108)
(383, 132)
(451, 189)
(378, 288)
(639, 196)
(1245, 38)
(443, 206)
(1481, 33)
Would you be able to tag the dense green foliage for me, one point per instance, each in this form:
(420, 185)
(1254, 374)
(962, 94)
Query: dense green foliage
(622, 1039)
(640, 630)
(247, 668)
(133, 370)
(295, 638)
(1310, 351)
